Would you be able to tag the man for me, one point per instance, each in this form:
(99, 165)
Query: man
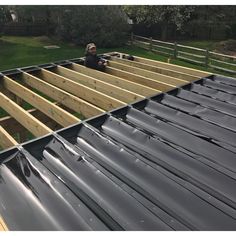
(92, 60)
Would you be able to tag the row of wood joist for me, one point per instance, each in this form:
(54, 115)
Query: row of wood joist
(59, 93)
(87, 92)
(176, 71)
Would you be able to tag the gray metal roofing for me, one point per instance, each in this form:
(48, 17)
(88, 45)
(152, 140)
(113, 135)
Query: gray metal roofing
(167, 162)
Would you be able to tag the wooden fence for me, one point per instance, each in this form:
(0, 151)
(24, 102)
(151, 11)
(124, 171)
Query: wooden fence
(198, 56)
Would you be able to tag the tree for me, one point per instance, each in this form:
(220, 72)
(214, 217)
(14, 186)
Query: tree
(30, 14)
(212, 22)
(4, 14)
(104, 25)
(165, 15)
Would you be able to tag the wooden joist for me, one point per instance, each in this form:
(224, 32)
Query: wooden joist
(149, 74)
(14, 127)
(3, 226)
(162, 87)
(95, 97)
(182, 69)
(74, 103)
(115, 80)
(6, 140)
(36, 127)
(50, 109)
(101, 86)
(156, 69)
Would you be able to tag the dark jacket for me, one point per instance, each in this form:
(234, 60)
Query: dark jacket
(91, 61)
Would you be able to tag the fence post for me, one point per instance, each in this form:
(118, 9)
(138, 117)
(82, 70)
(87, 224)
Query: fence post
(175, 50)
(150, 44)
(207, 58)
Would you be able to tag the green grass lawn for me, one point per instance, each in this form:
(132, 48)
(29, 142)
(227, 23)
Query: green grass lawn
(16, 51)
(204, 44)
(26, 51)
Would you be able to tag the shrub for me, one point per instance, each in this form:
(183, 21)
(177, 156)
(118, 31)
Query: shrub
(106, 26)
(226, 46)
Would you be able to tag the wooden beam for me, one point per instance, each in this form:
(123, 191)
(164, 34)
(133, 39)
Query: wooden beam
(97, 98)
(36, 127)
(50, 109)
(182, 69)
(149, 74)
(3, 226)
(162, 87)
(6, 92)
(156, 69)
(117, 81)
(63, 97)
(13, 126)
(103, 87)
(6, 140)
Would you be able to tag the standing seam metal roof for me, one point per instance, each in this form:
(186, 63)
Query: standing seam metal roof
(167, 162)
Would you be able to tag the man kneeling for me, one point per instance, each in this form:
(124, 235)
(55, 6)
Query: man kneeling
(92, 60)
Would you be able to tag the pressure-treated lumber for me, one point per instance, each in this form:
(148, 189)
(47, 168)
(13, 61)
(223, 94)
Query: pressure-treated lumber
(162, 87)
(117, 81)
(149, 74)
(36, 127)
(99, 99)
(3, 226)
(182, 69)
(50, 109)
(6, 140)
(63, 97)
(156, 69)
(13, 126)
(109, 89)
(6, 92)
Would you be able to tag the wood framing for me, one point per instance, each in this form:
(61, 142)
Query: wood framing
(117, 81)
(156, 69)
(13, 126)
(27, 120)
(103, 87)
(99, 99)
(161, 87)
(182, 69)
(50, 109)
(6, 140)
(149, 74)
(61, 95)
(65, 98)
(3, 226)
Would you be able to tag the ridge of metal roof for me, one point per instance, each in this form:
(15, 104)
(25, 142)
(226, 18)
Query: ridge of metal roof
(167, 162)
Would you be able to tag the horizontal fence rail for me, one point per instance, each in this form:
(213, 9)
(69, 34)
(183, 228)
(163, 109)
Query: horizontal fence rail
(199, 56)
